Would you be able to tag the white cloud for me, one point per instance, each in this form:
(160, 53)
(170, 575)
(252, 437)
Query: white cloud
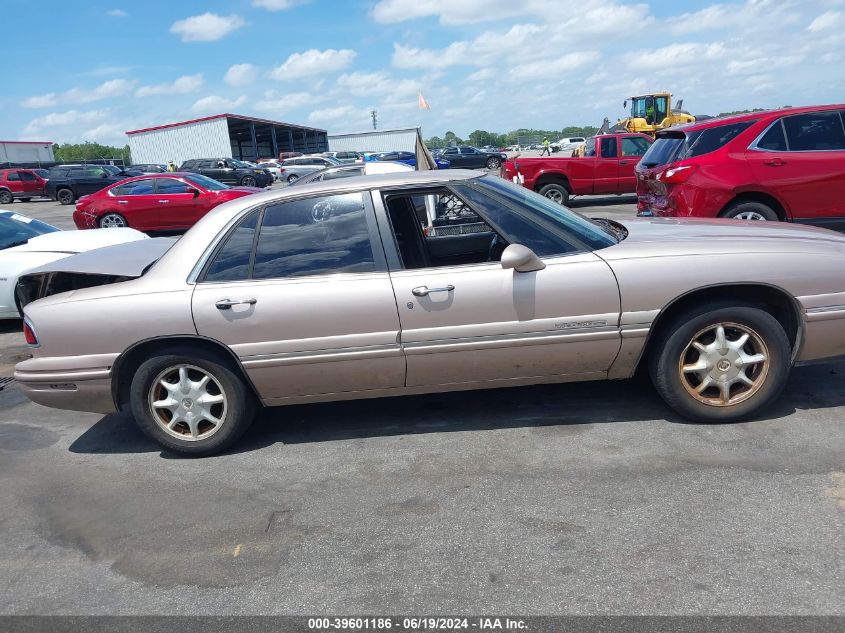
(450, 12)
(313, 62)
(240, 75)
(62, 119)
(40, 101)
(377, 84)
(347, 113)
(277, 5)
(182, 85)
(455, 54)
(554, 67)
(207, 27)
(280, 104)
(216, 105)
(828, 20)
(117, 13)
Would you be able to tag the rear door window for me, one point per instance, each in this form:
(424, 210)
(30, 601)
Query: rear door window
(170, 186)
(711, 139)
(815, 131)
(774, 140)
(232, 260)
(13, 176)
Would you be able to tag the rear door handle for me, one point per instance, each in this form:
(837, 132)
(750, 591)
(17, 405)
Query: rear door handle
(226, 304)
(423, 291)
(775, 162)
(123, 202)
(163, 201)
(623, 162)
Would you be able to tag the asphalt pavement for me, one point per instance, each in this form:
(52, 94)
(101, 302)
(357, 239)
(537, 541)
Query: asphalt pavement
(588, 498)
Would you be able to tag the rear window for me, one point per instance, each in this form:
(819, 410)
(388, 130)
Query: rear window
(675, 146)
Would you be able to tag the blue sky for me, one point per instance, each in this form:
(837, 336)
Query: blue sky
(92, 70)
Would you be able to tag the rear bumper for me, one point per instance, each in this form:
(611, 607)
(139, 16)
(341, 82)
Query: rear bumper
(79, 390)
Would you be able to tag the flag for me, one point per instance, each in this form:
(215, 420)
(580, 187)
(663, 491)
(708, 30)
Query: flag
(423, 103)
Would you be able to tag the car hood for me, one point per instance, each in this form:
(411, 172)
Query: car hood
(659, 236)
(121, 260)
(239, 191)
(78, 241)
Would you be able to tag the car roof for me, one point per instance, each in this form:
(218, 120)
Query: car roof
(750, 116)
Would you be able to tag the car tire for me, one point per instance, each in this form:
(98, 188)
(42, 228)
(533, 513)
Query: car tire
(690, 369)
(6, 197)
(112, 220)
(750, 210)
(292, 178)
(493, 163)
(65, 196)
(247, 181)
(194, 434)
(555, 192)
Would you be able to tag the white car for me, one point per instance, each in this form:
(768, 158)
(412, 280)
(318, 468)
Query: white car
(273, 167)
(570, 143)
(26, 243)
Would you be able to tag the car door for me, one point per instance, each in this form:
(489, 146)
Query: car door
(92, 179)
(31, 184)
(136, 201)
(453, 156)
(466, 320)
(179, 207)
(472, 158)
(214, 169)
(632, 149)
(13, 182)
(800, 159)
(309, 309)
(606, 166)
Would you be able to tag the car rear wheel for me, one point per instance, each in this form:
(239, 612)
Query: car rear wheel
(556, 193)
(247, 181)
(65, 196)
(750, 210)
(6, 197)
(190, 403)
(721, 365)
(113, 221)
(293, 177)
(493, 163)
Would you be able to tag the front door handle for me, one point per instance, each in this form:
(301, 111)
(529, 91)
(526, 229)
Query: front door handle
(163, 201)
(423, 291)
(775, 162)
(623, 162)
(123, 201)
(226, 304)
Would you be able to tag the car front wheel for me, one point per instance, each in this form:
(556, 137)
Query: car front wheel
(190, 402)
(293, 177)
(721, 365)
(247, 181)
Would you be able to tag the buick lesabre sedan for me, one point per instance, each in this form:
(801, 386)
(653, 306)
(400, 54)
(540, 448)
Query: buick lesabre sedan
(424, 282)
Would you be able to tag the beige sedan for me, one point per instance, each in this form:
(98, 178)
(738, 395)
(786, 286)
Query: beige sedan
(424, 282)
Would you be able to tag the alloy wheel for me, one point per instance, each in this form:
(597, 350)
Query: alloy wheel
(724, 364)
(292, 177)
(65, 196)
(248, 181)
(188, 402)
(749, 215)
(112, 221)
(554, 195)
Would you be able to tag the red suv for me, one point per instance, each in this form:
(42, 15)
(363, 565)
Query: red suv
(20, 183)
(784, 165)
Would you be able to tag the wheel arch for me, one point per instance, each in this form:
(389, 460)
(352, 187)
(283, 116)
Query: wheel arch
(552, 178)
(129, 361)
(759, 196)
(774, 299)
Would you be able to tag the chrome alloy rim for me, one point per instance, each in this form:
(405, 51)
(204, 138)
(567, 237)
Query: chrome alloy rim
(555, 196)
(112, 221)
(749, 215)
(249, 181)
(187, 402)
(724, 364)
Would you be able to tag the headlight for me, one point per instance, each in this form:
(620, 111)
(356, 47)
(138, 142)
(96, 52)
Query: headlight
(258, 171)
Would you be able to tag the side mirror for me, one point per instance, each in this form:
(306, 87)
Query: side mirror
(193, 191)
(521, 258)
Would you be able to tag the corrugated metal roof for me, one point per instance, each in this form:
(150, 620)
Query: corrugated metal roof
(403, 140)
(225, 115)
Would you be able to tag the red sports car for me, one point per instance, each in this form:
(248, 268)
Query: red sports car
(155, 202)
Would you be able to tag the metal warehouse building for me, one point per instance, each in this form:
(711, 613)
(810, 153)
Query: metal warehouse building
(223, 135)
(401, 140)
(25, 152)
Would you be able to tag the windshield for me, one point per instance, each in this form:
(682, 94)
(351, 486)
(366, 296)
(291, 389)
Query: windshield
(18, 229)
(239, 164)
(206, 182)
(530, 203)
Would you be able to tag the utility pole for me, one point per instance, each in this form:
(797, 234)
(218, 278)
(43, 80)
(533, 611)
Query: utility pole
(374, 114)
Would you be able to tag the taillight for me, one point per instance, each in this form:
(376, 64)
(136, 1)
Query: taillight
(676, 175)
(29, 334)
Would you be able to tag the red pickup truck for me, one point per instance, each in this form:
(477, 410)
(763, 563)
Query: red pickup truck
(607, 167)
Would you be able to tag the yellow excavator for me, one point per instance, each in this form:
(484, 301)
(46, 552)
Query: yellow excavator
(652, 112)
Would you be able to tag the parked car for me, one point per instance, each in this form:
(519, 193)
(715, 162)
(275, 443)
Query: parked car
(20, 184)
(26, 243)
(145, 168)
(290, 296)
(568, 144)
(155, 202)
(348, 171)
(346, 157)
(229, 171)
(294, 168)
(607, 168)
(286, 155)
(66, 183)
(274, 167)
(465, 157)
(43, 173)
(408, 158)
(786, 164)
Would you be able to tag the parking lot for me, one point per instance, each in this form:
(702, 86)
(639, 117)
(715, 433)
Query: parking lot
(571, 499)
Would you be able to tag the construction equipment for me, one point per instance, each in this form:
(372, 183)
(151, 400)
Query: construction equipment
(652, 112)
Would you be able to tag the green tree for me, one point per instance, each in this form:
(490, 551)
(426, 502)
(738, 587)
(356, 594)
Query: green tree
(435, 142)
(69, 152)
